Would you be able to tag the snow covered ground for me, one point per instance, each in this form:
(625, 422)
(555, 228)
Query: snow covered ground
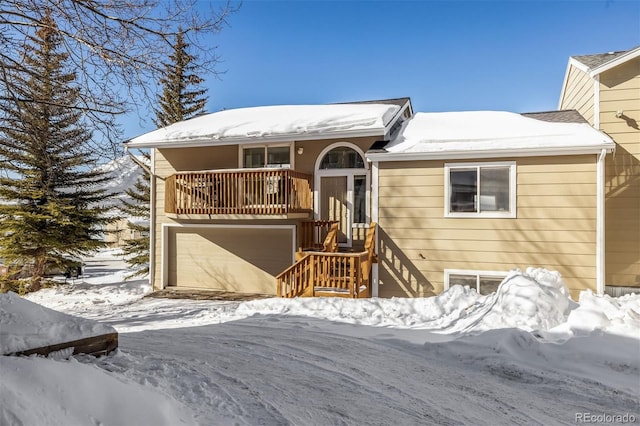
(526, 355)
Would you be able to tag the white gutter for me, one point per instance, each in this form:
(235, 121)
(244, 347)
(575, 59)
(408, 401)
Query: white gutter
(291, 137)
(600, 228)
(489, 153)
(375, 218)
(152, 222)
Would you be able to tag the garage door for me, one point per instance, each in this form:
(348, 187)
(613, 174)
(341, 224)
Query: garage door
(243, 260)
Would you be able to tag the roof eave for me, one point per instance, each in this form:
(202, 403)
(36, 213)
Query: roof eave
(490, 153)
(632, 54)
(291, 137)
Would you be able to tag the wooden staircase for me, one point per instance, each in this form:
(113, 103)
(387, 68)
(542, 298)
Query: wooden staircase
(330, 273)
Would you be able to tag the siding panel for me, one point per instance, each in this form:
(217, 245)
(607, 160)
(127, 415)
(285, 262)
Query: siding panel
(620, 91)
(578, 93)
(554, 228)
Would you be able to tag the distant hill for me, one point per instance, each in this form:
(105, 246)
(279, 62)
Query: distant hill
(123, 173)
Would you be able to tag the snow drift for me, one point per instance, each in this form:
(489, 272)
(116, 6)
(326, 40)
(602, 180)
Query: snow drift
(27, 325)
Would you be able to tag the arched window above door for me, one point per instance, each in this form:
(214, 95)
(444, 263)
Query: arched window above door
(342, 157)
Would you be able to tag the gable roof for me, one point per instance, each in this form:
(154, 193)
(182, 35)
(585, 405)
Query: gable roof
(600, 62)
(594, 65)
(594, 61)
(279, 123)
(488, 134)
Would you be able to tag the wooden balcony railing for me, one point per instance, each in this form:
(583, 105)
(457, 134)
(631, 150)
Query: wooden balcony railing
(313, 233)
(254, 191)
(326, 273)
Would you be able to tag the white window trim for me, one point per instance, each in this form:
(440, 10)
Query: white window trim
(472, 272)
(493, 214)
(265, 146)
(349, 173)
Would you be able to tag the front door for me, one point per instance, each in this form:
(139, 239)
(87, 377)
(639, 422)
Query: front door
(335, 206)
(342, 196)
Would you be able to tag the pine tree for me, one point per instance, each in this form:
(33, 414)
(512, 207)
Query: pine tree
(51, 198)
(136, 250)
(179, 100)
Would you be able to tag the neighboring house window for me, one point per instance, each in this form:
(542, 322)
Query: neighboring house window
(484, 282)
(480, 189)
(266, 156)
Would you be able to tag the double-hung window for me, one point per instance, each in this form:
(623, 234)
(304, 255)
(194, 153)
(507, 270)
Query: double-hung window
(480, 189)
(266, 156)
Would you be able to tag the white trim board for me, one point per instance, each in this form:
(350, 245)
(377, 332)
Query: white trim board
(261, 140)
(349, 174)
(489, 153)
(375, 273)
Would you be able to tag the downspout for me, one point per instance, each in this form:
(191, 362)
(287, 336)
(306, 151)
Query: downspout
(152, 223)
(374, 218)
(600, 228)
(152, 227)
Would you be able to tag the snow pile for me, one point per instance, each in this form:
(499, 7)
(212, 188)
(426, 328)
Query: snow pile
(39, 391)
(619, 315)
(433, 312)
(405, 361)
(443, 132)
(272, 121)
(27, 325)
(536, 299)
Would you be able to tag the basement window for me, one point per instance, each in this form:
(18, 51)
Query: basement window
(484, 282)
(480, 189)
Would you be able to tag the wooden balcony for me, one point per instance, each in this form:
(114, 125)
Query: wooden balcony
(255, 192)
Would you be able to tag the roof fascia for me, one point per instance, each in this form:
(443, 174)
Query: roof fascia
(490, 153)
(387, 128)
(632, 54)
(194, 143)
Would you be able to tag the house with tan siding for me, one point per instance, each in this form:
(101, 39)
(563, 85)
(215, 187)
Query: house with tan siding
(246, 200)
(237, 193)
(605, 89)
(464, 197)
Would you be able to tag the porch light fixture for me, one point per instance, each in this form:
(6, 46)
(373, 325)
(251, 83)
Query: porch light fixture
(300, 150)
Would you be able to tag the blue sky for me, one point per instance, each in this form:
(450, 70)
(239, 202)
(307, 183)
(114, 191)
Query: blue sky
(445, 55)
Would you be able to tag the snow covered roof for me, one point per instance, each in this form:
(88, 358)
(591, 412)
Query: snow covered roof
(273, 123)
(485, 134)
